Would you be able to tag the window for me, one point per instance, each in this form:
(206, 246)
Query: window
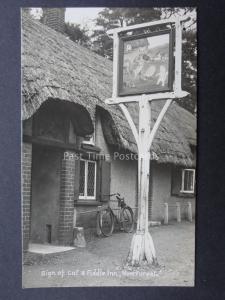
(188, 181)
(87, 187)
(89, 139)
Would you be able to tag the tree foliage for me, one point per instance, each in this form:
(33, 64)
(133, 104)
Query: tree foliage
(189, 71)
(189, 61)
(77, 34)
(114, 17)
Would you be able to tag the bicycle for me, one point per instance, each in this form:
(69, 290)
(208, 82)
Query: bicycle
(106, 218)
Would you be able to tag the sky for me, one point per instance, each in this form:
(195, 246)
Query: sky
(79, 15)
(82, 15)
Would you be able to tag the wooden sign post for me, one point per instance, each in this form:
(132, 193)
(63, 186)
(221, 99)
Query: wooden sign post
(142, 246)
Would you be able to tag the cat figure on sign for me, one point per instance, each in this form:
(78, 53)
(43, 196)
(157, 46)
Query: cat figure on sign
(162, 76)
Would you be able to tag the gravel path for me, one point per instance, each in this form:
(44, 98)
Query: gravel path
(101, 262)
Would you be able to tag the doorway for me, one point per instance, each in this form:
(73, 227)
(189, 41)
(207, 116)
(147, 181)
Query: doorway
(45, 194)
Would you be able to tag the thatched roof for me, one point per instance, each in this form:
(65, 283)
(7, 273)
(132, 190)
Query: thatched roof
(54, 67)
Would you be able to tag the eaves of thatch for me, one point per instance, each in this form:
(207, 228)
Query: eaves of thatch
(54, 67)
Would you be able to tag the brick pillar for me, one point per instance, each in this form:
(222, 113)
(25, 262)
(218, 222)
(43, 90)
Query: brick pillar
(66, 209)
(26, 192)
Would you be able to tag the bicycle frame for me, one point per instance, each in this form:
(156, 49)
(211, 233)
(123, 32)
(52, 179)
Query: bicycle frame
(119, 199)
(107, 210)
(121, 205)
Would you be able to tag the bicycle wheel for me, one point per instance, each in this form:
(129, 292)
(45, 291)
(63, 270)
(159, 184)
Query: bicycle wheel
(127, 219)
(106, 222)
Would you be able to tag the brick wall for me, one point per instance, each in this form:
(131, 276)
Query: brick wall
(66, 209)
(88, 219)
(54, 18)
(26, 192)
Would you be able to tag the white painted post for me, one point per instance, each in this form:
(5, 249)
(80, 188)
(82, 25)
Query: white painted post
(189, 212)
(130, 121)
(178, 212)
(98, 230)
(144, 162)
(115, 63)
(166, 213)
(158, 121)
(142, 247)
(178, 60)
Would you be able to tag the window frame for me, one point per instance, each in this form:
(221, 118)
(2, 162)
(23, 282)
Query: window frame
(182, 182)
(85, 196)
(91, 140)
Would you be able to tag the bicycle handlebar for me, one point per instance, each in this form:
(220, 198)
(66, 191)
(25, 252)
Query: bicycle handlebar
(119, 199)
(110, 195)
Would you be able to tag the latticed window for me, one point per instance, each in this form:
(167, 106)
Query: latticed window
(188, 181)
(87, 188)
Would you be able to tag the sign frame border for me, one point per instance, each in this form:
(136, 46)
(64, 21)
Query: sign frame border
(122, 39)
(177, 91)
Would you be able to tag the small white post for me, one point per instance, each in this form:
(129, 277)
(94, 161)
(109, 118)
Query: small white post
(79, 239)
(166, 213)
(178, 212)
(189, 212)
(98, 230)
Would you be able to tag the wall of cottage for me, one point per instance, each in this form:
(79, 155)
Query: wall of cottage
(123, 179)
(86, 210)
(123, 172)
(161, 193)
(85, 215)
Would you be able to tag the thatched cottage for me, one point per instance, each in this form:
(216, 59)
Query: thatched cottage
(70, 137)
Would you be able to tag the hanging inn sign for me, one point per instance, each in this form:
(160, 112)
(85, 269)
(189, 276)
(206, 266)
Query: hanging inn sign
(147, 62)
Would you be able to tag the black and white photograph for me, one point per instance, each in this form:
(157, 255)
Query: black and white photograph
(146, 62)
(108, 146)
